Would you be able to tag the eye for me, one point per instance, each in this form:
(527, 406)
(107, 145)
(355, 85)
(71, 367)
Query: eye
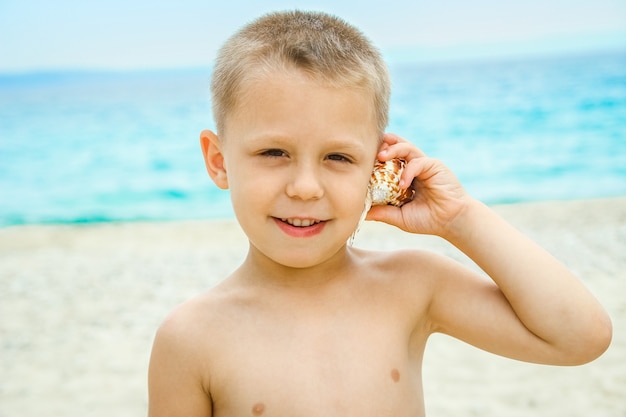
(273, 153)
(338, 157)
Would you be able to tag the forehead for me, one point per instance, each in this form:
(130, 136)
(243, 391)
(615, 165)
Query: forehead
(292, 103)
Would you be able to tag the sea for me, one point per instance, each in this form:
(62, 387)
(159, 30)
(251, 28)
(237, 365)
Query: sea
(87, 146)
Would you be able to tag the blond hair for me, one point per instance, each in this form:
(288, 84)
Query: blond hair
(324, 47)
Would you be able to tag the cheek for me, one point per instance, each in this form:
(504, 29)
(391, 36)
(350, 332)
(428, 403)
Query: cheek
(244, 186)
(353, 192)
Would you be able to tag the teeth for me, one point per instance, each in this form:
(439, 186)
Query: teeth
(301, 222)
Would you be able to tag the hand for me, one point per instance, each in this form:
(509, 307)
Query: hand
(439, 197)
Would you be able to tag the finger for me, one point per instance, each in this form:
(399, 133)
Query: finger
(421, 168)
(387, 214)
(383, 147)
(398, 147)
(404, 151)
(392, 139)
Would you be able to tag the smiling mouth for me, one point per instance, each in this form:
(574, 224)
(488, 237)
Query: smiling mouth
(301, 222)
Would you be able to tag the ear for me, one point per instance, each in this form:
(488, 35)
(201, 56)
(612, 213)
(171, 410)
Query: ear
(214, 158)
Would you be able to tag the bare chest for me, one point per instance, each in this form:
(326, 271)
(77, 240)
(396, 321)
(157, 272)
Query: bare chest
(333, 365)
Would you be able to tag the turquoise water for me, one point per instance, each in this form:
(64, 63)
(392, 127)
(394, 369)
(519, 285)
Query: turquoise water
(85, 147)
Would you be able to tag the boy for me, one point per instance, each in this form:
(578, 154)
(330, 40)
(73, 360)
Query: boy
(307, 325)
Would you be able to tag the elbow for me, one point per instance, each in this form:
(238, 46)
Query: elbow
(594, 342)
(603, 336)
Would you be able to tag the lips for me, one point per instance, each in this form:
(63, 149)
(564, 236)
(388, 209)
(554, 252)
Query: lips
(297, 227)
(301, 222)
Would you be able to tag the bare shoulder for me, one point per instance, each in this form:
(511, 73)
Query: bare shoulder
(410, 268)
(409, 279)
(423, 283)
(195, 322)
(185, 316)
(179, 377)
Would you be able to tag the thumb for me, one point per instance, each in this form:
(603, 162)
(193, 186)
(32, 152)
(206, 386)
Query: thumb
(387, 214)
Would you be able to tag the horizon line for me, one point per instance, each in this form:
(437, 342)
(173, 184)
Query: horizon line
(393, 57)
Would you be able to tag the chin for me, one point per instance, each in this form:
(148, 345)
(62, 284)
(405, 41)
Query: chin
(303, 258)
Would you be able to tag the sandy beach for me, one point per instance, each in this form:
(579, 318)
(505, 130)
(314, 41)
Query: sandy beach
(79, 306)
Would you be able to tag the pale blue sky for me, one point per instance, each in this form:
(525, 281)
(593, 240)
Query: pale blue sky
(61, 34)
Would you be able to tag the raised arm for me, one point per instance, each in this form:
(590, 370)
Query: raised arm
(548, 316)
(534, 310)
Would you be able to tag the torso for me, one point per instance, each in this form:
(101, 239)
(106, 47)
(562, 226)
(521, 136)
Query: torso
(352, 349)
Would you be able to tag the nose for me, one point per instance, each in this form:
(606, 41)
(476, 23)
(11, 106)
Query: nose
(305, 183)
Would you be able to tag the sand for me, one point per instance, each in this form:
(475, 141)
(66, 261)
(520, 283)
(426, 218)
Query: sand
(79, 306)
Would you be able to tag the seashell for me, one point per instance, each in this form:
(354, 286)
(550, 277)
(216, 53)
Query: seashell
(384, 187)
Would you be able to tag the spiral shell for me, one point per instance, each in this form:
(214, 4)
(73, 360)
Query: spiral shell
(384, 186)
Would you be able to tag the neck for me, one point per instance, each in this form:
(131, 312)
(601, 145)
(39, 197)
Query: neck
(258, 269)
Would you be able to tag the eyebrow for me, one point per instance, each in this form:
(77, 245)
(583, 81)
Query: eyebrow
(283, 140)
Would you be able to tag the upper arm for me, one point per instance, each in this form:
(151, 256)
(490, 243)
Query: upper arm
(175, 381)
(470, 307)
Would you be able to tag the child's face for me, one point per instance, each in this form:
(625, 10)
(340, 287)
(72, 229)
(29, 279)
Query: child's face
(298, 158)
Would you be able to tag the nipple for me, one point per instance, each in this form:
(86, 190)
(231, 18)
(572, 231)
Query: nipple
(258, 409)
(395, 375)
